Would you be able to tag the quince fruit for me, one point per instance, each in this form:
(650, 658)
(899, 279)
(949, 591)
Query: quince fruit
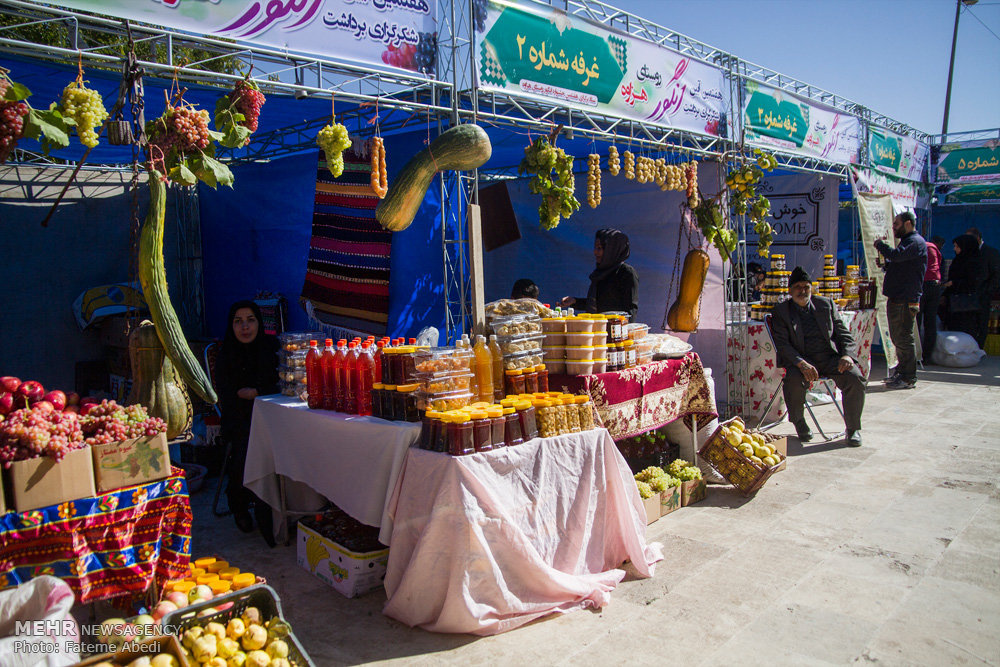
(737, 424)
(769, 448)
(761, 452)
(734, 439)
(746, 450)
(769, 461)
(757, 460)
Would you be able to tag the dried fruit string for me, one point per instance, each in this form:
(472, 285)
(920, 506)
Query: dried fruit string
(379, 178)
(593, 180)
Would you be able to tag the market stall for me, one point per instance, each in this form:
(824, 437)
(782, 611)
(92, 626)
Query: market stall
(113, 545)
(488, 542)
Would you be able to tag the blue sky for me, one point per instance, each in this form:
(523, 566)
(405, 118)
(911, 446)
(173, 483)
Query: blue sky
(889, 55)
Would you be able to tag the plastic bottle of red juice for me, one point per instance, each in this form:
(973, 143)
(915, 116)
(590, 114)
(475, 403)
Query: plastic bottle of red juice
(329, 377)
(353, 380)
(314, 376)
(340, 373)
(366, 371)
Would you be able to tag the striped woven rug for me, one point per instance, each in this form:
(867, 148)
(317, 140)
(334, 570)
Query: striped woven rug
(347, 276)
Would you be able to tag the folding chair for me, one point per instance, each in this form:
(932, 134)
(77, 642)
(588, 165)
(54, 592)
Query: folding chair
(824, 382)
(211, 351)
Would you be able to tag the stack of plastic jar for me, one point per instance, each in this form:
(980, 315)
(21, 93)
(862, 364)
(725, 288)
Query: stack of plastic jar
(778, 262)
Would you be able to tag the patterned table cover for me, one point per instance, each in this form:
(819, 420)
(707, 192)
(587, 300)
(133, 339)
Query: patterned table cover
(763, 373)
(645, 397)
(104, 547)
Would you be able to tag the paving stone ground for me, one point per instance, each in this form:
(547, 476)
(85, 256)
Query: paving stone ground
(887, 554)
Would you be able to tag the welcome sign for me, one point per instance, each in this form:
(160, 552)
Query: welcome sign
(541, 52)
(398, 33)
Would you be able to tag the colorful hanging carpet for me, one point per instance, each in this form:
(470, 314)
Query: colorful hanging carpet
(347, 276)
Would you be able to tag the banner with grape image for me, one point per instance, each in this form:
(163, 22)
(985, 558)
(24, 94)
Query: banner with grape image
(397, 33)
(898, 155)
(539, 52)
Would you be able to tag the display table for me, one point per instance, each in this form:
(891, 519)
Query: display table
(645, 397)
(105, 547)
(763, 373)
(485, 543)
(352, 460)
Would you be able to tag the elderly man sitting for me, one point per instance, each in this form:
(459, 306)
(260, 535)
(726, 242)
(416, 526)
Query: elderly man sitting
(812, 342)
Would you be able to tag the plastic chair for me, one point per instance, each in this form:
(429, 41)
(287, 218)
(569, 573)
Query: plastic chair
(211, 351)
(824, 382)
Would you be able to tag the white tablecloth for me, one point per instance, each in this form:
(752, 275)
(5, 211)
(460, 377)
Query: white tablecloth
(485, 543)
(354, 461)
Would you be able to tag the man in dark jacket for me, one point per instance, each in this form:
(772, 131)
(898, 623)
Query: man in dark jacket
(811, 342)
(903, 285)
(992, 259)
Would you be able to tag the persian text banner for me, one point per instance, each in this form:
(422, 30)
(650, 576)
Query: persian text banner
(896, 154)
(903, 193)
(781, 120)
(542, 52)
(969, 161)
(399, 33)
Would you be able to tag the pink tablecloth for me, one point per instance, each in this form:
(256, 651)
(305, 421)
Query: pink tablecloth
(485, 543)
(763, 373)
(646, 397)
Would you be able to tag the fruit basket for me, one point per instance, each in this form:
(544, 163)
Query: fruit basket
(739, 469)
(261, 596)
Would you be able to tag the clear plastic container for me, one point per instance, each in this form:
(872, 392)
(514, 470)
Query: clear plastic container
(579, 339)
(529, 425)
(601, 365)
(516, 324)
(291, 373)
(554, 339)
(429, 427)
(543, 377)
(584, 407)
(511, 428)
(482, 434)
(521, 360)
(444, 381)
(555, 366)
(461, 440)
(530, 376)
(442, 359)
(572, 413)
(553, 324)
(545, 418)
(559, 418)
(497, 420)
(581, 367)
(579, 324)
(579, 353)
(637, 331)
(514, 382)
(377, 400)
(520, 342)
(440, 402)
(599, 338)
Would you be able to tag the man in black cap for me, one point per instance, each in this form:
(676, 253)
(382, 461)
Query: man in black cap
(812, 342)
(903, 285)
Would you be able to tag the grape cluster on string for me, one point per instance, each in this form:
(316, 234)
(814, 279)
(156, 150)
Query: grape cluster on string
(238, 113)
(29, 433)
(109, 422)
(84, 108)
(541, 159)
(181, 147)
(334, 141)
(11, 125)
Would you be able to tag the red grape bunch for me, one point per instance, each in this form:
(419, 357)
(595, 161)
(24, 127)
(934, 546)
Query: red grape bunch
(11, 125)
(85, 106)
(248, 100)
(4, 85)
(32, 432)
(181, 129)
(109, 422)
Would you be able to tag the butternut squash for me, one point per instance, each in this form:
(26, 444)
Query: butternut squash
(156, 385)
(686, 310)
(459, 148)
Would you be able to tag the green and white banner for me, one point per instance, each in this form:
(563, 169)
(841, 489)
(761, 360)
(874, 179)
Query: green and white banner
(904, 194)
(533, 50)
(897, 154)
(777, 119)
(969, 161)
(876, 214)
(398, 33)
(988, 193)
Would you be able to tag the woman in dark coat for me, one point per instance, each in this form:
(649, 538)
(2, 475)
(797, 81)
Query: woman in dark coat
(967, 275)
(614, 285)
(246, 367)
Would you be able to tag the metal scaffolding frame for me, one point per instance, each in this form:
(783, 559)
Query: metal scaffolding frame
(453, 97)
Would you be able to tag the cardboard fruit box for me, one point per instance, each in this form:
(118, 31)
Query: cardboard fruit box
(693, 492)
(41, 481)
(349, 573)
(652, 506)
(670, 500)
(130, 462)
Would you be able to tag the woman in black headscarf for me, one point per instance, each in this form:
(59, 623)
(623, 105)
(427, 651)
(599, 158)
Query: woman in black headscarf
(965, 290)
(614, 285)
(246, 367)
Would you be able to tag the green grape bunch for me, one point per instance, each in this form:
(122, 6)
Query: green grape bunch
(552, 177)
(84, 108)
(334, 141)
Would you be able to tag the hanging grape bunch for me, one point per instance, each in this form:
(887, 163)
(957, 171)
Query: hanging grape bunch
(334, 141)
(11, 125)
(83, 107)
(614, 162)
(181, 148)
(541, 159)
(238, 113)
(593, 180)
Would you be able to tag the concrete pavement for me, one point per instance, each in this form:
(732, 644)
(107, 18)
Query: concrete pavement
(885, 554)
